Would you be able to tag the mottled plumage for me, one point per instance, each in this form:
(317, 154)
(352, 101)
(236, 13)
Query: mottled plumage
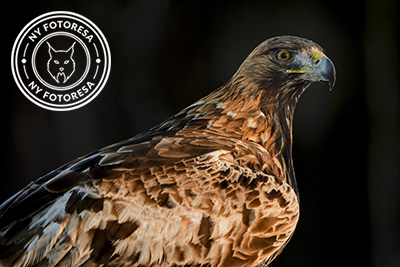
(213, 185)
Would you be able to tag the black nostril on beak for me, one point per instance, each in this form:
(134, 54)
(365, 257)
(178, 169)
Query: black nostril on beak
(317, 62)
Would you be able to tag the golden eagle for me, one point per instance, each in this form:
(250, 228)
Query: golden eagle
(213, 185)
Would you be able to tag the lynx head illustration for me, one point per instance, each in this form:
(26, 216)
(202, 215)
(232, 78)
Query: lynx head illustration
(61, 65)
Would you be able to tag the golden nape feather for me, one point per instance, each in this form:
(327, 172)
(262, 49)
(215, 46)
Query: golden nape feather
(213, 185)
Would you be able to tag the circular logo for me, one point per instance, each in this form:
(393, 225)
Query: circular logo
(61, 61)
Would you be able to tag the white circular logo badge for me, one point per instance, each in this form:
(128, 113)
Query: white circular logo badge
(61, 61)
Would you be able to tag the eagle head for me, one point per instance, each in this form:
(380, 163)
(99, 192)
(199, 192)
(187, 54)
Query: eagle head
(287, 65)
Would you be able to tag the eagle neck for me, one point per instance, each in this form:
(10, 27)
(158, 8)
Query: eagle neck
(252, 115)
(284, 121)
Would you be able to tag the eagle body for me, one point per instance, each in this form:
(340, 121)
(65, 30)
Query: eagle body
(213, 185)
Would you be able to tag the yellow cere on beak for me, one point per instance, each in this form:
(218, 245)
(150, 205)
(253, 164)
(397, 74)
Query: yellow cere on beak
(321, 69)
(317, 55)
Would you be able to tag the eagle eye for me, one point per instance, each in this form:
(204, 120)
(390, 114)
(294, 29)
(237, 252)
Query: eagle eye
(283, 55)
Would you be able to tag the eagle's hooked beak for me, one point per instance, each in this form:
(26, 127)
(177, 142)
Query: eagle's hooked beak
(322, 69)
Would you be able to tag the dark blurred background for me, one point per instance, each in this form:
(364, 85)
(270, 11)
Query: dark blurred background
(167, 54)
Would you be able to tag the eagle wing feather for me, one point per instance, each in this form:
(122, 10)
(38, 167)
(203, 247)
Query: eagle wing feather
(195, 205)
